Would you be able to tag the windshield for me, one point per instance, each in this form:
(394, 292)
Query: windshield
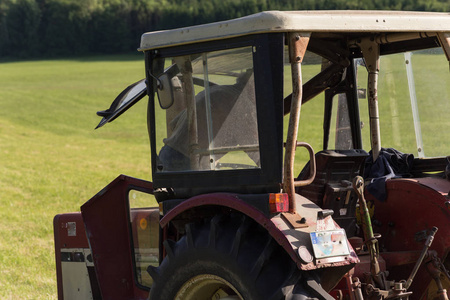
(212, 101)
(413, 102)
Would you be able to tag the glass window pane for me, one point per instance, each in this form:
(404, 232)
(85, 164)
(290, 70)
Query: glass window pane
(432, 78)
(311, 117)
(145, 234)
(427, 83)
(340, 131)
(212, 124)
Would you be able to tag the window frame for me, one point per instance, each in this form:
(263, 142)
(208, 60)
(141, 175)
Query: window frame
(268, 52)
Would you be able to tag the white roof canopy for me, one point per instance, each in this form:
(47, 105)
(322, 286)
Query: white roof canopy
(301, 21)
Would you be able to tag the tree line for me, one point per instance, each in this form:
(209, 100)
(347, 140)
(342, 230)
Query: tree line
(48, 28)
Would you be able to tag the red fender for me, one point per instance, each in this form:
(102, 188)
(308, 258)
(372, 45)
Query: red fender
(287, 237)
(234, 202)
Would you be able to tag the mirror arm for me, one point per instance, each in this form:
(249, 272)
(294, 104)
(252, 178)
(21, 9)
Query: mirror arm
(159, 84)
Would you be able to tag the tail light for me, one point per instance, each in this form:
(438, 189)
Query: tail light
(161, 209)
(278, 203)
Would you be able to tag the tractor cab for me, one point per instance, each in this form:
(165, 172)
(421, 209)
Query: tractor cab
(211, 119)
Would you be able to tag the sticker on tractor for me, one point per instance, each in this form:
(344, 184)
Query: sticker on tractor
(329, 243)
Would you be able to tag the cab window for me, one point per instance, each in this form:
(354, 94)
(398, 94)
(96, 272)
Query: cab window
(207, 119)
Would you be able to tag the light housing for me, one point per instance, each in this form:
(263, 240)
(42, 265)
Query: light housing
(279, 202)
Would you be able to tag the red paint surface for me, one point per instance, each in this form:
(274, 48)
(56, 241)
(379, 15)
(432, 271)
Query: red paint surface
(107, 220)
(412, 205)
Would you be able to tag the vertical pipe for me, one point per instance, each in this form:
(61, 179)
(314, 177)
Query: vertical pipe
(371, 53)
(189, 94)
(297, 49)
(375, 139)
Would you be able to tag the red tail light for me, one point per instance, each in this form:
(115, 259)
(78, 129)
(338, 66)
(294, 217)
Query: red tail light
(278, 203)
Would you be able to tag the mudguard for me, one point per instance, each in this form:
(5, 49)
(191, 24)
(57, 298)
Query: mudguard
(291, 239)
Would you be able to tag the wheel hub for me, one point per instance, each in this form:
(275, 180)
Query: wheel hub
(208, 287)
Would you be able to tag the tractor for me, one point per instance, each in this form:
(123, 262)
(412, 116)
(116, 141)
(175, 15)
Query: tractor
(247, 208)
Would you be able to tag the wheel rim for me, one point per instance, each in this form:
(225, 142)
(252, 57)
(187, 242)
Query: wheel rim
(206, 287)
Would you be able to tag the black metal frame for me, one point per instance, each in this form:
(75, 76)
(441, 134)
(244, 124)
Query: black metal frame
(347, 86)
(268, 51)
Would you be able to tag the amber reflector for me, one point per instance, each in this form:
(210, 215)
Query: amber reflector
(278, 203)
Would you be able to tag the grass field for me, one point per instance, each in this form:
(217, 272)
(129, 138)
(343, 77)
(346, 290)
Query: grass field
(52, 160)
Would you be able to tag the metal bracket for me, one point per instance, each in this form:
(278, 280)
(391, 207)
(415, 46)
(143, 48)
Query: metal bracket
(295, 220)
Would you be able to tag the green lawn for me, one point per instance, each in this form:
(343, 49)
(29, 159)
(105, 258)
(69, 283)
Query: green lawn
(52, 160)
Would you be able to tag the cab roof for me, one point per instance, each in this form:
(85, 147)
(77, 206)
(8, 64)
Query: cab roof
(301, 21)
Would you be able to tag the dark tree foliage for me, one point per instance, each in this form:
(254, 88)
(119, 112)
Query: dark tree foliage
(21, 25)
(64, 28)
(37, 28)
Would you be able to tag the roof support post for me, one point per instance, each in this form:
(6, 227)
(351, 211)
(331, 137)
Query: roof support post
(297, 48)
(444, 38)
(185, 66)
(371, 52)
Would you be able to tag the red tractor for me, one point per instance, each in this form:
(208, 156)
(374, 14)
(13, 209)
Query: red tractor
(368, 215)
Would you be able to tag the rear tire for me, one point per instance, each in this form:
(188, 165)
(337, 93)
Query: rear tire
(227, 257)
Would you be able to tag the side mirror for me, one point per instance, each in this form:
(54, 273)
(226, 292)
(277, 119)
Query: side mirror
(167, 83)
